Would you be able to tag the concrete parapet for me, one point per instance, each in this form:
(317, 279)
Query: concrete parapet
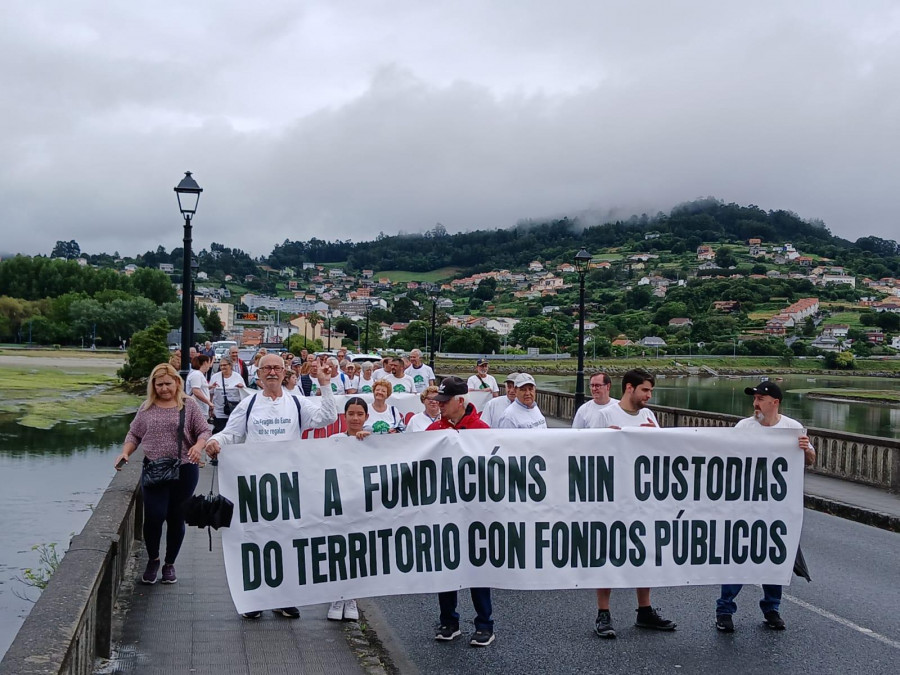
(70, 624)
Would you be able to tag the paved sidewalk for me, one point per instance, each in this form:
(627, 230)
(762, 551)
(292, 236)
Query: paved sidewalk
(193, 627)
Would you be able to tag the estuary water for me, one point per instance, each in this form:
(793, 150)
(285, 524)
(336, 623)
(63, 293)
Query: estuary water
(51, 480)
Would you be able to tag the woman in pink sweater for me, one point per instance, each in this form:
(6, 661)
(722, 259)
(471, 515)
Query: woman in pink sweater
(155, 429)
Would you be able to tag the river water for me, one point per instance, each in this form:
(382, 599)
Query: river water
(51, 479)
(726, 395)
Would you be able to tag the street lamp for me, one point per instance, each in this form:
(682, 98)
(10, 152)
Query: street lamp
(328, 314)
(188, 193)
(433, 323)
(366, 347)
(582, 262)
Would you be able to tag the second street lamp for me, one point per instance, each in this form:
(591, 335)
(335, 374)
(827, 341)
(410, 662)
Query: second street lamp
(582, 262)
(433, 322)
(188, 193)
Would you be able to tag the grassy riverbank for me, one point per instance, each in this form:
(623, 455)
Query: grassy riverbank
(42, 392)
(882, 396)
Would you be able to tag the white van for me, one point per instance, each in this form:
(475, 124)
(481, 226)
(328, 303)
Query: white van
(221, 347)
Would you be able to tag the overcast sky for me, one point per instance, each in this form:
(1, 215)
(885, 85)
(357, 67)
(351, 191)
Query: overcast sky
(337, 119)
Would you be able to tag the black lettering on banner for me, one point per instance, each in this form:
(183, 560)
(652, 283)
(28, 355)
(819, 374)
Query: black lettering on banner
(423, 547)
(477, 554)
(637, 553)
(518, 480)
(272, 564)
(450, 551)
(482, 479)
(679, 466)
(779, 468)
(778, 549)
(251, 566)
(269, 496)
(734, 469)
(738, 547)
(448, 484)
(368, 486)
(467, 488)
(385, 537)
(337, 557)
(332, 494)
(409, 484)
(496, 478)
(591, 479)
(699, 531)
(317, 544)
(715, 478)
(427, 482)
(662, 537)
(540, 543)
(405, 558)
(356, 555)
(301, 545)
(641, 485)
(697, 463)
(758, 541)
(538, 489)
(760, 484)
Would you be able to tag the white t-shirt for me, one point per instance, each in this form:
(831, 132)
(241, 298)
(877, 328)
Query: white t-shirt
(489, 382)
(338, 384)
(351, 383)
(421, 377)
(401, 384)
(586, 416)
(276, 419)
(383, 422)
(784, 422)
(493, 410)
(218, 395)
(614, 416)
(296, 391)
(517, 416)
(379, 374)
(365, 386)
(420, 422)
(197, 380)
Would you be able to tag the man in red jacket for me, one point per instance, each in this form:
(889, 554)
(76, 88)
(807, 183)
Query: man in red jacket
(457, 414)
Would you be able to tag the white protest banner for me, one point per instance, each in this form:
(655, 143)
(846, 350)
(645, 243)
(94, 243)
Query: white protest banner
(480, 397)
(325, 519)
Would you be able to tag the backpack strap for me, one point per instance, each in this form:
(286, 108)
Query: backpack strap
(249, 408)
(296, 402)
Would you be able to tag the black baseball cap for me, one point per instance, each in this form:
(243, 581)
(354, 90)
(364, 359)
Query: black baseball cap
(765, 389)
(451, 387)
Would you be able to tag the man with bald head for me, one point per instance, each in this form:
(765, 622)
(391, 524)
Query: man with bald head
(274, 415)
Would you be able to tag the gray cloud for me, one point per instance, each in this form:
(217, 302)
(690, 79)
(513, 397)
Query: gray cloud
(341, 119)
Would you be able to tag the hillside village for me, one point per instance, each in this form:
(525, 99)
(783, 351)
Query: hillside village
(254, 318)
(709, 278)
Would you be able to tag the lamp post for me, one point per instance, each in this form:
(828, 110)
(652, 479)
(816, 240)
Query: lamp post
(366, 347)
(328, 314)
(433, 323)
(195, 267)
(582, 262)
(188, 193)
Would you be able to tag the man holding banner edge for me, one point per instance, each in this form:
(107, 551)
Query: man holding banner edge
(457, 414)
(278, 417)
(767, 399)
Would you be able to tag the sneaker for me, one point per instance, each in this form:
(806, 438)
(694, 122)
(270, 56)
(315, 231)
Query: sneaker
(150, 573)
(603, 626)
(774, 620)
(289, 612)
(252, 615)
(336, 611)
(351, 611)
(482, 638)
(650, 618)
(447, 633)
(724, 623)
(168, 574)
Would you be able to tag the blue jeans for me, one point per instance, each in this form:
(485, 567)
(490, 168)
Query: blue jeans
(163, 504)
(481, 599)
(726, 604)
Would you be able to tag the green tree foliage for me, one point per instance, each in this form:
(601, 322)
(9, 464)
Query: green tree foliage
(294, 343)
(404, 310)
(66, 249)
(725, 257)
(146, 351)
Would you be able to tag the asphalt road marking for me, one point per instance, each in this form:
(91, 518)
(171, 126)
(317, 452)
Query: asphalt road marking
(844, 622)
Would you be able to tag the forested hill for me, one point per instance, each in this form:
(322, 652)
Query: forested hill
(683, 229)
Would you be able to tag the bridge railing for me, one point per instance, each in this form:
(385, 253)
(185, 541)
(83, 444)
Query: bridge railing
(863, 459)
(71, 623)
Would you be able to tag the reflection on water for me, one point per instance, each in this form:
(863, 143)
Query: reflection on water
(726, 395)
(51, 479)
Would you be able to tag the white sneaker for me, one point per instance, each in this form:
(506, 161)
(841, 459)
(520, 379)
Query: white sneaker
(351, 611)
(336, 611)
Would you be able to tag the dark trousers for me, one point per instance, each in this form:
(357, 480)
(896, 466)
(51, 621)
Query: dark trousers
(481, 599)
(163, 503)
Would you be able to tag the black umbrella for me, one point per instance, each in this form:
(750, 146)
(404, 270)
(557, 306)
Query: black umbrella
(800, 567)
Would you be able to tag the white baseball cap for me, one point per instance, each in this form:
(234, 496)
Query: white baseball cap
(522, 379)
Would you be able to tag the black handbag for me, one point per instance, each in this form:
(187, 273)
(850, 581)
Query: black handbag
(227, 406)
(165, 469)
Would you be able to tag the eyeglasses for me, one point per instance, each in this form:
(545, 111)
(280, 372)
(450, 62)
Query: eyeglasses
(271, 369)
(599, 386)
